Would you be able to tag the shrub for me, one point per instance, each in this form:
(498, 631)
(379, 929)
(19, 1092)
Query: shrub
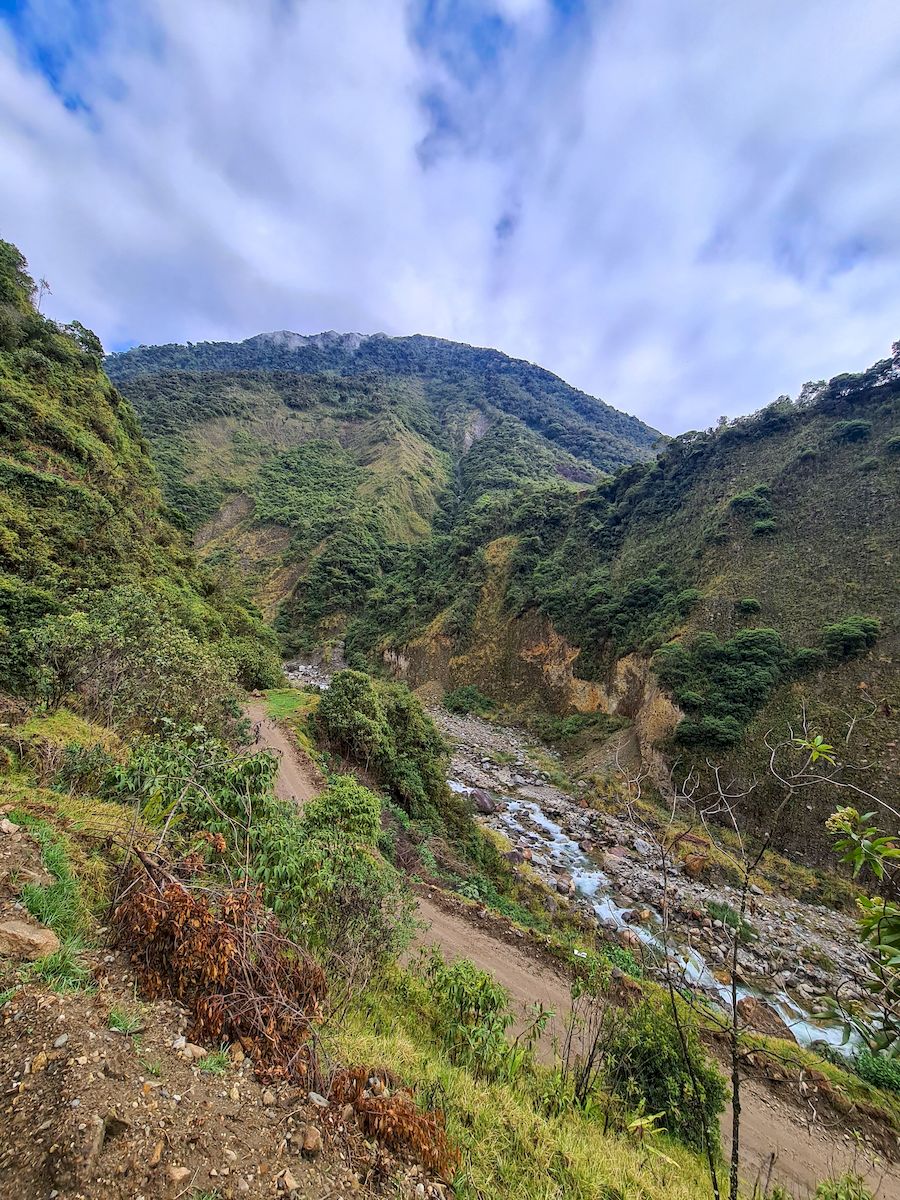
(468, 699)
(892, 445)
(321, 873)
(721, 685)
(878, 1070)
(764, 528)
(806, 659)
(846, 1187)
(132, 663)
(383, 727)
(851, 637)
(851, 431)
(749, 605)
(754, 502)
(646, 1062)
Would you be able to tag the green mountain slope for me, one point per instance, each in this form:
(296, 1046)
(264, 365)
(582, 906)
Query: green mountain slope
(80, 505)
(432, 506)
(315, 464)
(752, 571)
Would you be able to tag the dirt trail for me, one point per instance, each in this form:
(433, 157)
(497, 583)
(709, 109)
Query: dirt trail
(804, 1153)
(297, 779)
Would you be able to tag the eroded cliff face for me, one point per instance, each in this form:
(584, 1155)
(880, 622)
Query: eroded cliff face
(523, 662)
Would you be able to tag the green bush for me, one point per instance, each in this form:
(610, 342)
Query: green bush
(851, 637)
(468, 699)
(845, 1187)
(646, 1063)
(892, 445)
(320, 872)
(384, 728)
(127, 656)
(754, 502)
(764, 528)
(878, 1070)
(721, 685)
(748, 605)
(806, 659)
(851, 431)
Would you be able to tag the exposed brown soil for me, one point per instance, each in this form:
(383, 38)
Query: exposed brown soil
(298, 778)
(90, 1112)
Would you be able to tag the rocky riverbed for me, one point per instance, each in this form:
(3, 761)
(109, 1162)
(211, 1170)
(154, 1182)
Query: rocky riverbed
(609, 867)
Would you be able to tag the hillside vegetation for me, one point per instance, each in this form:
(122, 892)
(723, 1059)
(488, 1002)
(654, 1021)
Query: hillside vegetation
(452, 510)
(317, 465)
(80, 505)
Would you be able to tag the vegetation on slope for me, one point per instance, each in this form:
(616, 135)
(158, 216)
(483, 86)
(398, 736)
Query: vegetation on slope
(80, 507)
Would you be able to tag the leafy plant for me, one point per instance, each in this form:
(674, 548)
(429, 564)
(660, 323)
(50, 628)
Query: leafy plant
(851, 431)
(215, 1062)
(844, 1187)
(851, 637)
(468, 699)
(646, 1062)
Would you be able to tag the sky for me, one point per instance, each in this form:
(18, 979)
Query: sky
(686, 207)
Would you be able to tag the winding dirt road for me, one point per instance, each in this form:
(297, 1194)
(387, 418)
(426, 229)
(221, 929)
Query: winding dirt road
(804, 1151)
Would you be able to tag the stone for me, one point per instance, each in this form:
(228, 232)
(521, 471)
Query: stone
(268, 1098)
(192, 1052)
(7, 826)
(348, 1112)
(755, 1014)
(312, 1142)
(178, 1174)
(26, 939)
(60, 1041)
(319, 1101)
(483, 802)
(288, 1182)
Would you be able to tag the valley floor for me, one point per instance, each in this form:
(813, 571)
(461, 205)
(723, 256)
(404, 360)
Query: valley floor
(784, 1138)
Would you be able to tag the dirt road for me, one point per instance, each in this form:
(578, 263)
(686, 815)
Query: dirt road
(296, 778)
(804, 1151)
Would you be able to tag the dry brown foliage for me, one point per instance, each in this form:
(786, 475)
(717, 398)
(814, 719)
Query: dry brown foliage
(222, 953)
(395, 1120)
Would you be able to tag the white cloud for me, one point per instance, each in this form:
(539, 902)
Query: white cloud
(697, 201)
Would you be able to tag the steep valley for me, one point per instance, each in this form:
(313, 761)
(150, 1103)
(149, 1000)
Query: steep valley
(449, 515)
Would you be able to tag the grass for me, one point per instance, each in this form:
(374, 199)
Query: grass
(58, 905)
(216, 1062)
(294, 707)
(64, 970)
(123, 1020)
(509, 1147)
(720, 911)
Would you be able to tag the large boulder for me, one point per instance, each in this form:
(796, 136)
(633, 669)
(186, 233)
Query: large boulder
(483, 802)
(22, 938)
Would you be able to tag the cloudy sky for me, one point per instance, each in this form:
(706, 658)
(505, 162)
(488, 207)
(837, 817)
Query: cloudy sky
(683, 206)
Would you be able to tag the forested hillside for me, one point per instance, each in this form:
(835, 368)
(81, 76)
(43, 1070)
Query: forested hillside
(443, 509)
(316, 465)
(80, 509)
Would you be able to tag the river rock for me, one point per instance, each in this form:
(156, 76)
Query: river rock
(483, 802)
(26, 939)
(755, 1014)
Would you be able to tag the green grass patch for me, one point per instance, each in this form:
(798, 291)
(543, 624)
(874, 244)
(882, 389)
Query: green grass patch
(216, 1062)
(124, 1020)
(60, 904)
(511, 1145)
(720, 911)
